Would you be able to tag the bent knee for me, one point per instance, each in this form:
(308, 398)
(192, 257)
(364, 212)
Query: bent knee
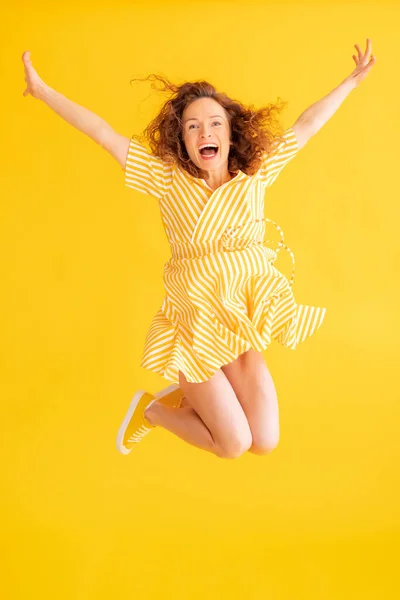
(235, 446)
(264, 445)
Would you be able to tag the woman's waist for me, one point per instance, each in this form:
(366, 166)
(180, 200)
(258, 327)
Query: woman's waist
(199, 248)
(246, 237)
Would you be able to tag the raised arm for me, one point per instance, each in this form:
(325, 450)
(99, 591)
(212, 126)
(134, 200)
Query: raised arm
(80, 117)
(312, 119)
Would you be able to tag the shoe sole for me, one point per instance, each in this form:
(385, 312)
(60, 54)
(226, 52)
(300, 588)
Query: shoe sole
(134, 402)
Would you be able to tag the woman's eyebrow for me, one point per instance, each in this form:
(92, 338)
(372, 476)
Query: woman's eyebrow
(196, 119)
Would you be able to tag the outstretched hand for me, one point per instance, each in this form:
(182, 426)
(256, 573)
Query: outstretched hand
(34, 84)
(364, 63)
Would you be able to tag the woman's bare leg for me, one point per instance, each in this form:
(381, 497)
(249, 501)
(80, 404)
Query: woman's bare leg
(183, 422)
(255, 390)
(214, 421)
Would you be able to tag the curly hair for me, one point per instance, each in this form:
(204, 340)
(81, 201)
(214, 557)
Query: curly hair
(253, 132)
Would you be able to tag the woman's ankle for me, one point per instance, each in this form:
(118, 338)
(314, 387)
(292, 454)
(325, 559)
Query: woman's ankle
(150, 412)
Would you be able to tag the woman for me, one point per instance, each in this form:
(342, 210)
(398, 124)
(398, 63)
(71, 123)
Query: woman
(211, 160)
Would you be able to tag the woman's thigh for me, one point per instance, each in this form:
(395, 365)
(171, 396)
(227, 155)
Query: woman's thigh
(218, 407)
(255, 390)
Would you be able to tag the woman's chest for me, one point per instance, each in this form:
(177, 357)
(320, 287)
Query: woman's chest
(194, 211)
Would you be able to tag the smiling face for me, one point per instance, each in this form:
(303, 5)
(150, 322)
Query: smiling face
(206, 122)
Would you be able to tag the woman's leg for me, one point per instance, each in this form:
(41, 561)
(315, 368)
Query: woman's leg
(255, 390)
(214, 421)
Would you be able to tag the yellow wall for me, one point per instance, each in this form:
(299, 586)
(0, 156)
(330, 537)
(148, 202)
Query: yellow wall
(82, 259)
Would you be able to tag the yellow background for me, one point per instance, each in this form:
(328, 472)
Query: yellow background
(82, 259)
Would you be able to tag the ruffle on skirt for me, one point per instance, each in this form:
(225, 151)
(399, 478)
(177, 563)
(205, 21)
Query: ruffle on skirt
(220, 304)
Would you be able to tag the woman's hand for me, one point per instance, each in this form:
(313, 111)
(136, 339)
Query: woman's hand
(34, 85)
(363, 62)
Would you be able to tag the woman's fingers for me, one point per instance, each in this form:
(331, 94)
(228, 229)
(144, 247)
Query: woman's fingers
(357, 47)
(364, 58)
(32, 79)
(26, 57)
(368, 51)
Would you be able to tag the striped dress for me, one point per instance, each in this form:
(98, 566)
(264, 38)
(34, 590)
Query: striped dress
(223, 293)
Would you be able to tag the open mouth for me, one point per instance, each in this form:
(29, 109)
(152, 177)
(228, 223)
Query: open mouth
(209, 151)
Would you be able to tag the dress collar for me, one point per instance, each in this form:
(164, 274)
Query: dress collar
(199, 180)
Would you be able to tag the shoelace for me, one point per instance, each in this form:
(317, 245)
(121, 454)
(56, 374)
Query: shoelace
(139, 434)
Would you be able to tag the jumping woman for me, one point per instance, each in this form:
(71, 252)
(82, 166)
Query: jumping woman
(210, 161)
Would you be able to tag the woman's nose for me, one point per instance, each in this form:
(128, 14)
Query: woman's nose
(204, 132)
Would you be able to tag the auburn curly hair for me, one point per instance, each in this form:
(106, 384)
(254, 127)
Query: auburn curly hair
(253, 132)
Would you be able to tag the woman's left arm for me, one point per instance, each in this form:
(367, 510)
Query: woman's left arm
(314, 117)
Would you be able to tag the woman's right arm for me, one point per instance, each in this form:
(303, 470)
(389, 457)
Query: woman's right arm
(80, 117)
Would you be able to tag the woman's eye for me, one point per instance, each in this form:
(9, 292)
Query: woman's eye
(214, 122)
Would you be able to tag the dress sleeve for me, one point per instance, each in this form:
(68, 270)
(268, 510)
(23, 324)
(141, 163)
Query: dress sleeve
(146, 172)
(274, 161)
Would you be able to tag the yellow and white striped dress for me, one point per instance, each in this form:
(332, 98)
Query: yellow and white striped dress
(223, 293)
